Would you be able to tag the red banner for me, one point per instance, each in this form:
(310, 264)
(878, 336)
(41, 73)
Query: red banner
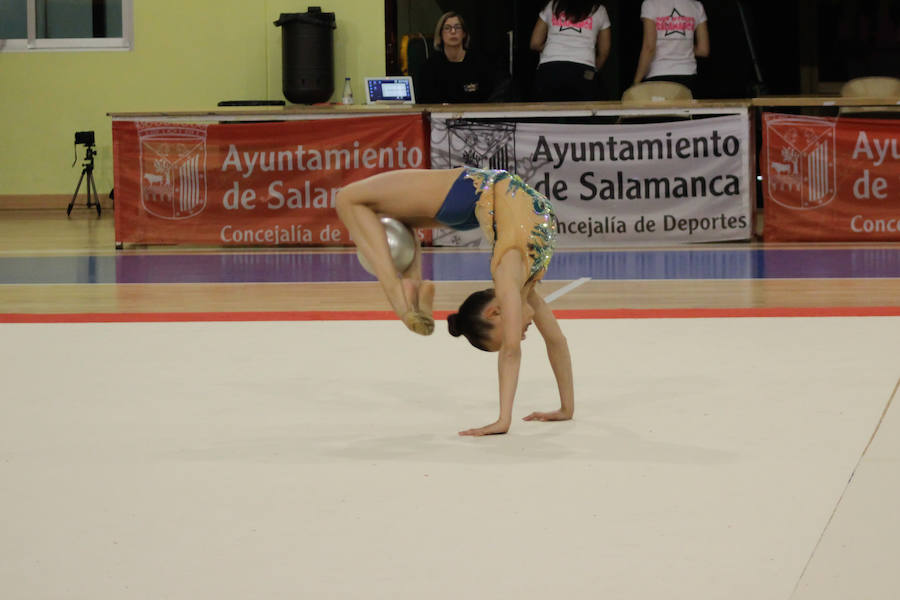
(251, 184)
(831, 179)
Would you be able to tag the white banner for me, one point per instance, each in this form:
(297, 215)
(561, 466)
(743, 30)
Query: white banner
(676, 182)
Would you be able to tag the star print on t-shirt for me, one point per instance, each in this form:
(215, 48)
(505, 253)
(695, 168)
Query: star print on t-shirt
(675, 24)
(672, 25)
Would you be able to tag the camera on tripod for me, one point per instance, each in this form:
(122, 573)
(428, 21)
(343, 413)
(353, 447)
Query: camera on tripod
(86, 138)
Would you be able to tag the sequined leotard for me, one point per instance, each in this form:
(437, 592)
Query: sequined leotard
(512, 214)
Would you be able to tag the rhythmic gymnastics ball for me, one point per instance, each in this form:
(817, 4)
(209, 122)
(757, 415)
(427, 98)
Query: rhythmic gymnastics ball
(401, 242)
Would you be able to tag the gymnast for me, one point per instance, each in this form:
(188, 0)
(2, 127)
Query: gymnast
(520, 224)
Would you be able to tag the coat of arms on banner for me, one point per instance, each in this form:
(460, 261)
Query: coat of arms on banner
(464, 142)
(475, 144)
(173, 170)
(801, 161)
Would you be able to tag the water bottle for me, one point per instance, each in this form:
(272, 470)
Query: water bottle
(348, 92)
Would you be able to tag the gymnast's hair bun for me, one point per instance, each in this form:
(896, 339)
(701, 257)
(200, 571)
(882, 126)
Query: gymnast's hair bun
(453, 324)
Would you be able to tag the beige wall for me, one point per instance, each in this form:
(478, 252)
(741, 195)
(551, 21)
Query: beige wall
(187, 56)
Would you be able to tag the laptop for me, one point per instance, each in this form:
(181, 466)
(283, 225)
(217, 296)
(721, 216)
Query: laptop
(390, 90)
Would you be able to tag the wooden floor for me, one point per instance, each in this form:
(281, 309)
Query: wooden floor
(740, 458)
(49, 233)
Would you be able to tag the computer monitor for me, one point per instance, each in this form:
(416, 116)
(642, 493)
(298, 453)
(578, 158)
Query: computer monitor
(390, 90)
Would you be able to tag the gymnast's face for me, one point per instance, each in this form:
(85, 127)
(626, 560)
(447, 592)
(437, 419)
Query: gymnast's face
(494, 315)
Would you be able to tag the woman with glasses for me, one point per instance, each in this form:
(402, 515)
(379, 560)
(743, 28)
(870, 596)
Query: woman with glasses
(573, 37)
(455, 73)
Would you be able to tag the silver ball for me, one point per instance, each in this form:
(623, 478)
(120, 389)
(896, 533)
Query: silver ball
(401, 242)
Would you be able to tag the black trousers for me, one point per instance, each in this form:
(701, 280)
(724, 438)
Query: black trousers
(562, 81)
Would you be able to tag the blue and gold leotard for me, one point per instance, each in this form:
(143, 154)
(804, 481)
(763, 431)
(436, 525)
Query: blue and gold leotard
(511, 214)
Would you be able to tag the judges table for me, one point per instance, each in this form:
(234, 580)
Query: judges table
(269, 176)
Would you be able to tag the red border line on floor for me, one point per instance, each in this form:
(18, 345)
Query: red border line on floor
(369, 315)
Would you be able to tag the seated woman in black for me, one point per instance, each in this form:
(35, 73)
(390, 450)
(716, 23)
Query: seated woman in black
(453, 74)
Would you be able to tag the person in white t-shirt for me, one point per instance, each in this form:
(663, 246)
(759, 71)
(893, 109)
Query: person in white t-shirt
(675, 33)
(573, 38)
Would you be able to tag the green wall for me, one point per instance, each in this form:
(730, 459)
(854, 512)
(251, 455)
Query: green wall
(186, 56)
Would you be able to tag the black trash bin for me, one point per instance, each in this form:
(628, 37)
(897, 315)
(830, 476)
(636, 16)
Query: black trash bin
(307, 55)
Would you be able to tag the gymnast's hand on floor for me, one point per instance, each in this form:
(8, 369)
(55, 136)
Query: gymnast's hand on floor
(492, 429)
(556, 415)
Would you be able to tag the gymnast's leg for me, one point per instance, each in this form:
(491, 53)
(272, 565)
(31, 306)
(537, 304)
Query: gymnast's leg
(411, 196)
(419, 294)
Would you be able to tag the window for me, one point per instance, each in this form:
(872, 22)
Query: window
(34, 25)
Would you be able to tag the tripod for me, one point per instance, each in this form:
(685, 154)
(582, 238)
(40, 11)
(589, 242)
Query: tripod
(87, 171)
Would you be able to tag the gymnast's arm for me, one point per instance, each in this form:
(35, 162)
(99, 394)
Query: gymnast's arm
(508, 282)
(560, 360)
